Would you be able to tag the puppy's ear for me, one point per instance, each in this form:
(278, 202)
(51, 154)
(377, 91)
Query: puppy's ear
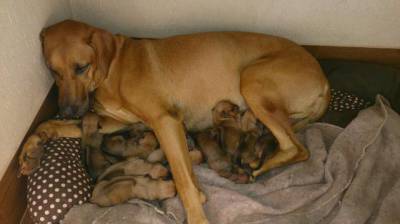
(103, 45)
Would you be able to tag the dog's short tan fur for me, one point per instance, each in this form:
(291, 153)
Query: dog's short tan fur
(174, 82)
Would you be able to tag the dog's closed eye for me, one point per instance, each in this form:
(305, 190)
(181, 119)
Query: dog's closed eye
(80, 69)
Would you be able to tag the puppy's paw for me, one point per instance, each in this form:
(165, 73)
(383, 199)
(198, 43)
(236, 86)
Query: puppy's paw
(157, 156)
(29, 158)
(196, 156)
(158, 171)
(168, 189)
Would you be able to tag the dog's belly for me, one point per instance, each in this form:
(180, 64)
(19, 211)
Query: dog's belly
(199, 118)
(197, 101)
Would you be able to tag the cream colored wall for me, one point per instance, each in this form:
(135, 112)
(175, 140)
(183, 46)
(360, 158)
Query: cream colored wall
(24, 80)
(367, 23)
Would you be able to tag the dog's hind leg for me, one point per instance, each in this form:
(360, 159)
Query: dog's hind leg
(271, 87)
(276, 119)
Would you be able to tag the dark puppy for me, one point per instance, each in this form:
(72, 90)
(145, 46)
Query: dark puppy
(138, 146)
(226, 119)
(216, 158)
(140, 142)
(220, 144)
(251, 152)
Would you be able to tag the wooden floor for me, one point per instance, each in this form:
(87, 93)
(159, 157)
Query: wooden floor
(374, 55)
(12, 188)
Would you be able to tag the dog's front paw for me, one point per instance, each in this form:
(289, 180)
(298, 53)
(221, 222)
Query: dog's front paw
(90, 124)
(32, 151)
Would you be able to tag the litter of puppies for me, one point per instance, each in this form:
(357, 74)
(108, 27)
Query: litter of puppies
(131, 164)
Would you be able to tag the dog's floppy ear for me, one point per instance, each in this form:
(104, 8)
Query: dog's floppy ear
(103, 45)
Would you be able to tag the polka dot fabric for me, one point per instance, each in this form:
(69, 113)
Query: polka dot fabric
(60, 183)
(344, 101)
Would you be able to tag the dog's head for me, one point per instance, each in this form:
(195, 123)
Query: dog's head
(79, 57)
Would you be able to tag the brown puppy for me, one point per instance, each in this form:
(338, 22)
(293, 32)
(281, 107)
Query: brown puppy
(251, 152)
(122, 188)
(216, 158)
(134, 167)
(226, 118)
(143, 144)
(138, 146)
(29, 159)
(221, 144)
(174, 83)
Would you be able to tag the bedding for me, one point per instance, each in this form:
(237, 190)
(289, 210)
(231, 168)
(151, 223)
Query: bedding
(59, 183)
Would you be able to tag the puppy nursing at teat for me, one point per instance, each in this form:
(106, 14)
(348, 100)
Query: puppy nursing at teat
(126, 165)
(235, 145)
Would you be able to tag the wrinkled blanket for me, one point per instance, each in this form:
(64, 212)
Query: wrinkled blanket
(352, 176)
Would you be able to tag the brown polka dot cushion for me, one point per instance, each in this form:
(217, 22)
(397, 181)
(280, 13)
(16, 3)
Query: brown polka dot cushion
(345, 101)
(60, 183)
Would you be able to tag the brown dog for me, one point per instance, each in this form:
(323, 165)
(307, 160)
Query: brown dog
(175, 82)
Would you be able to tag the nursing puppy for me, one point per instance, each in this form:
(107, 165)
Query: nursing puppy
(221, 144)
(122, 188)
(138, 146)
(216, 158)
(124, 180)
(173, 83)
(226, 119)
(141, 143)
(251, 149)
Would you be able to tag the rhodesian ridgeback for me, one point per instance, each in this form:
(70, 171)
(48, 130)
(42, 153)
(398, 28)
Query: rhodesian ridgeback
(172, 84)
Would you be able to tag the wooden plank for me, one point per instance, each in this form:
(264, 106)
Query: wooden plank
(374, 55)
(12, 188)
(26, 219)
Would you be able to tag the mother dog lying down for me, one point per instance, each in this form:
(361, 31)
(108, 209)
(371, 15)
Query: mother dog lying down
(173, 83)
